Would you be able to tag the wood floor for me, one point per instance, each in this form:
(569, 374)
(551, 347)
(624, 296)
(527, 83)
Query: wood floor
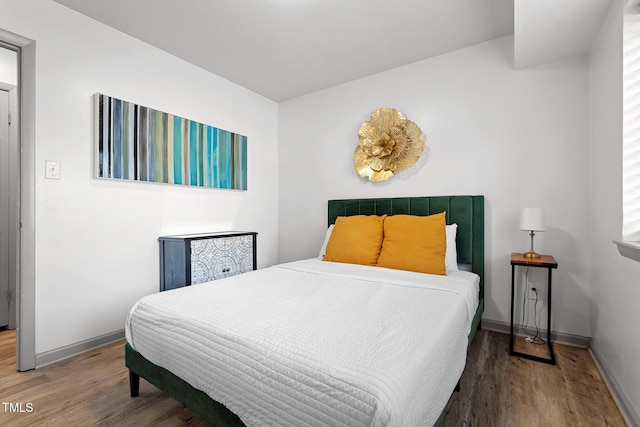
(501, 390)
(92, 389)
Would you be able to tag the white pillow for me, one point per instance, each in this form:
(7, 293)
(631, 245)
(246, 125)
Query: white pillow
(451, 255)
(323, 249)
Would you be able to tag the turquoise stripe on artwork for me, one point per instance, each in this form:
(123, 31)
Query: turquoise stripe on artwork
(142, 144)
(243, 164)
(169, 162)
(202, 133)
(214, 158)
(193, 153)
(208, 177)
(223, 160)
(228, 160)
(177, 150)
(185, 152)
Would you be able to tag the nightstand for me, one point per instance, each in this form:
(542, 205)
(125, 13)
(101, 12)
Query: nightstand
(545, 261)
(190, 259)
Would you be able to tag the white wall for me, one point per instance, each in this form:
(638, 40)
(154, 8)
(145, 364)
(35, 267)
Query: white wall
(96, 240)
(518, 137)
(615, 283)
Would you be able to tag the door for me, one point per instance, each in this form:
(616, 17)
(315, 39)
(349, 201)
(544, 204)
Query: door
(4, 209)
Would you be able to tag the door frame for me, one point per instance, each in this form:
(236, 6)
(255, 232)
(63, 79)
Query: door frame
(25, 262)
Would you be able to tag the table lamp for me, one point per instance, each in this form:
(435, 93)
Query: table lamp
(532, 220)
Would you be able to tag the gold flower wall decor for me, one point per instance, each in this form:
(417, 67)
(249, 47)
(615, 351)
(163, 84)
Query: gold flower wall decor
(389, 143)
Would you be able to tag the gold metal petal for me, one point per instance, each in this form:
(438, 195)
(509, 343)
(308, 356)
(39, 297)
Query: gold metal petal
(388, 142)
(360, 163)
(380, 176)
(376, 163)
(413, 131)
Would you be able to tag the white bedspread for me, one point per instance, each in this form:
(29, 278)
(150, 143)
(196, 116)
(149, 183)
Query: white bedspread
(315, 343)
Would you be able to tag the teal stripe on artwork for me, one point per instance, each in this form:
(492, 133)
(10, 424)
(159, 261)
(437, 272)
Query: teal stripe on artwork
(169, 162)
(208, 176)
(222, 165)
(234, 161)
(177, 150)
(225, 155)
(229, 160)
(165, 147)
(243, 165)
(215, 157)
(202, 133)
(193, 153)
(237, 170)
(185, 152)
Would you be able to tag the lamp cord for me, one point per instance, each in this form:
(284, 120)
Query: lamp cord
(536, 339)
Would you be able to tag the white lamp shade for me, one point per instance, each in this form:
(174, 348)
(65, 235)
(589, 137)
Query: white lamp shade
(532, 219)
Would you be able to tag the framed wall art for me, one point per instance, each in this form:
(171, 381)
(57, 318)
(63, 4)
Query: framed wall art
(138, 143)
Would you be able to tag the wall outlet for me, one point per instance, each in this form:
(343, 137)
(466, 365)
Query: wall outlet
(532, 294)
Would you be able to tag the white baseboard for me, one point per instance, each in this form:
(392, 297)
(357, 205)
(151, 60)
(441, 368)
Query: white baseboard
(556, 337)
(630, 415)
(49, 357)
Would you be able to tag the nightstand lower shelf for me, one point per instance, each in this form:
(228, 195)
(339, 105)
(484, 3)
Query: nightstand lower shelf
(551, 360)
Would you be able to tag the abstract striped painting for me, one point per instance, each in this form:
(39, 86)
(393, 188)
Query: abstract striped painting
(141, 144)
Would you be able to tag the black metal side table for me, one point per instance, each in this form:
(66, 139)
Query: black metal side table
(545, 261)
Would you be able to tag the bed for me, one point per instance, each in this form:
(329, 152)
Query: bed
(304, 355)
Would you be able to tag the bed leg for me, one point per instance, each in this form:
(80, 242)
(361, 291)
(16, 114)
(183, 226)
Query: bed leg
(134, 383)
(480, 325)
(457, 386)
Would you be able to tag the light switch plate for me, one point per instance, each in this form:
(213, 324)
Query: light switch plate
(52, 170)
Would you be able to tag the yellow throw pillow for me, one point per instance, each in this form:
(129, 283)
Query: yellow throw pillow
(355, 240)
(415, 243)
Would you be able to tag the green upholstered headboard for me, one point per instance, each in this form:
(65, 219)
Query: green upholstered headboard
(466, 211)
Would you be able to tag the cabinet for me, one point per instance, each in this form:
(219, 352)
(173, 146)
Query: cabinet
(189, 259)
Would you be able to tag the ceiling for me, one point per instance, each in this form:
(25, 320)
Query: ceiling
(282, 49)
(545, 30)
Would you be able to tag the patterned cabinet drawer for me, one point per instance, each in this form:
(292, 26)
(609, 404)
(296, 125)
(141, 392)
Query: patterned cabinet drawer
(197, 258)
(213, 259)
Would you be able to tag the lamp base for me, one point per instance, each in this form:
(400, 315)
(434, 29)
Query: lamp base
(531, 254)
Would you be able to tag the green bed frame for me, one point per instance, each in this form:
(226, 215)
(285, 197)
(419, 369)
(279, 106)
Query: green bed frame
(466, 211)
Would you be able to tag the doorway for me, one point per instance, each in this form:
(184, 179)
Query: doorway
(9, 202)
(21, 194)
(7, 302)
